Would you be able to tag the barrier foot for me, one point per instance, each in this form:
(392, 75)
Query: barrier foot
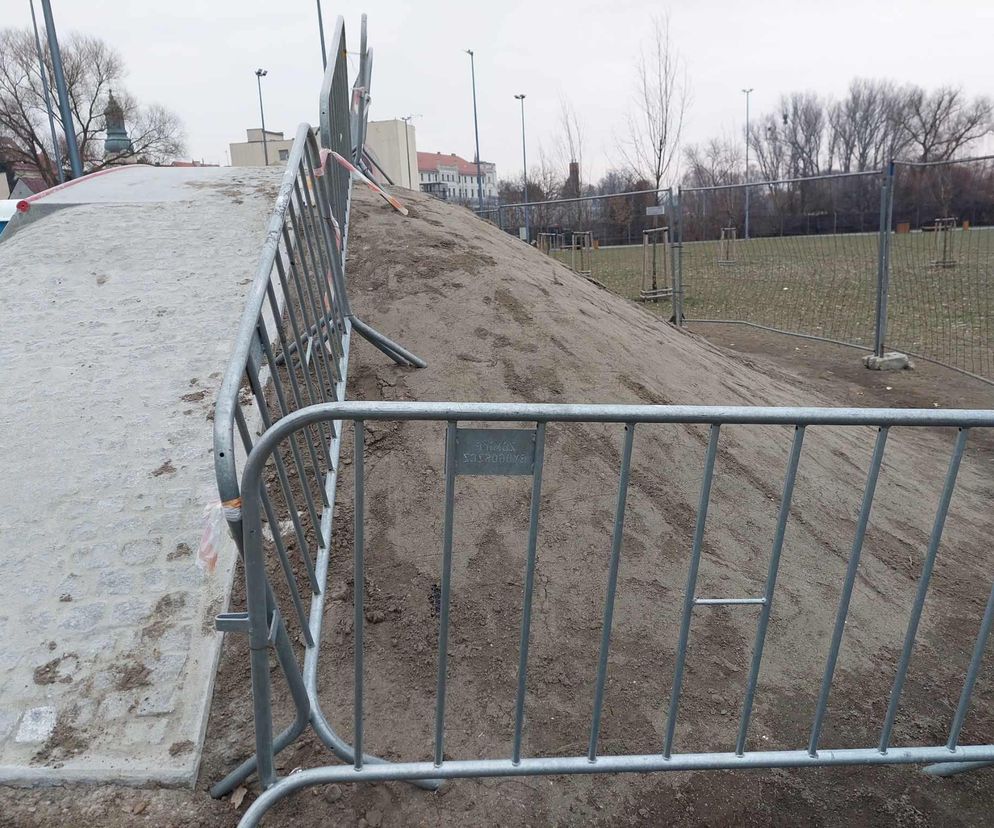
(284, 652)
(343, 750)
(398, 354)
(953, 768)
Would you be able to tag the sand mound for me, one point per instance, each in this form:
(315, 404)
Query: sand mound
(498, 321)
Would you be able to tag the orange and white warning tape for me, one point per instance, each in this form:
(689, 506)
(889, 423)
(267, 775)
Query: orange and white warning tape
(359, 176)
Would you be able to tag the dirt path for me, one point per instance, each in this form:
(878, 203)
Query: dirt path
(497, 321)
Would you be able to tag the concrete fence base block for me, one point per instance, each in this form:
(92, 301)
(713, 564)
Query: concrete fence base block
(891, 361)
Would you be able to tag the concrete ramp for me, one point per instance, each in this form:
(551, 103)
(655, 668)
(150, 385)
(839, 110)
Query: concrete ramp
(118, 304)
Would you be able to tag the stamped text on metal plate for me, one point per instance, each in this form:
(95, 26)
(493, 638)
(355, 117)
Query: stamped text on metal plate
(495, 450)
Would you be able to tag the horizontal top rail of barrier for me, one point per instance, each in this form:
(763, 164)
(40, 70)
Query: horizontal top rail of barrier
(521, 451)
(604, 413)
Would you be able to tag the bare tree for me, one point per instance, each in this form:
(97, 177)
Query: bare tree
(865, 126)
(769, 148)
(93, 69)
(570, 147)
(940, 123)
(803, 130)
(717, 162)
(662, 99)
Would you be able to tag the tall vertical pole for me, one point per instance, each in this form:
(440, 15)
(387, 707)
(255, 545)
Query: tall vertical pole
(476, 129)
(883, 258)
(43, 71)
(747, 91)
(524, 167)
(676, 260)
(259, 75)
(75, 161)
(324, 52)
(407, 140)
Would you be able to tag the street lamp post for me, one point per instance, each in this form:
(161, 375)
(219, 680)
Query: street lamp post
(324, 54)
(476, 129)
(747, 91)
(75, 161)
(524, 167)
(259, 75)
(43, 71)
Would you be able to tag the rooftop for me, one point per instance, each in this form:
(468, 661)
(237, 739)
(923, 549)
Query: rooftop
(431, 161)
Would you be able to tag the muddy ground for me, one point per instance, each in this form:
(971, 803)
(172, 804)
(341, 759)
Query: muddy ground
(497, 321)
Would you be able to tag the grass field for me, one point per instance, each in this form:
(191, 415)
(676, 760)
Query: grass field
(826, 286)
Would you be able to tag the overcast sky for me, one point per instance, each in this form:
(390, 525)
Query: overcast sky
(199, 58)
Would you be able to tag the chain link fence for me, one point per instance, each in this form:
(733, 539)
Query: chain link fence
(616, 223)
(897, 259)
(941, 292)
(806, 264)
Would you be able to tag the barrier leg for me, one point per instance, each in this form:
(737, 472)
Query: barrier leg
(953, 768)
(398, 354)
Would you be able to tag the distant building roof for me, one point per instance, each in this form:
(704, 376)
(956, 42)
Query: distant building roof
(431, 161)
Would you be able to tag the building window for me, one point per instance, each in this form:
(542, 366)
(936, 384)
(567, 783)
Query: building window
(284, 155)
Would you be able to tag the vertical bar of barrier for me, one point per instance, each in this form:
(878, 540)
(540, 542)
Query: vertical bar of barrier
(443, 622)
(300, 227)
(972, 672)
(295, 391)
(263, 336)
(267, 422)
(327, 285)
(298, 333)
(691, 588)
(850, 580)
(771, 583)
(312, 274)
(298, 604)
(359, 582)
(612, 585)
(923, 583)
(676, 225)
(526, 608)
(883, 258)
(325, 305)
(321, 240)
(258, 610)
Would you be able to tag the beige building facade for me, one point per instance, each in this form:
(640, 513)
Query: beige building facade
(252, 152)
(394, 146)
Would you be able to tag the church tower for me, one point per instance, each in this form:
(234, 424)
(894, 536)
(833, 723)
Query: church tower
(117, 142)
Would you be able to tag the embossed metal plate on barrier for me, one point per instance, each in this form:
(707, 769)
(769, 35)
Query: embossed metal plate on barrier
(495, 450)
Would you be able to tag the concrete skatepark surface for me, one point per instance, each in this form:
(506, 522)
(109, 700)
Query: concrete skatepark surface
(118, 310)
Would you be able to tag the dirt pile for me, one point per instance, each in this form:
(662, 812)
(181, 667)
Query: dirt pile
(498, 321)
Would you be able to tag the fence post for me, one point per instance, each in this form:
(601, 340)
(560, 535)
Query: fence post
(883, 258)
(676, 257)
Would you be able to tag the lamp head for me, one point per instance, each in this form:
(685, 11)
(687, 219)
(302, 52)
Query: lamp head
(261, 73)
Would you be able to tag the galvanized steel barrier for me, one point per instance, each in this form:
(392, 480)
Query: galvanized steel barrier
(520, 451)
(292, 347)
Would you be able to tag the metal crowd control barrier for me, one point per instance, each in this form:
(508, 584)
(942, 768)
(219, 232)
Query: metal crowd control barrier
(360, 100)
(292, 346)
(520, 451)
